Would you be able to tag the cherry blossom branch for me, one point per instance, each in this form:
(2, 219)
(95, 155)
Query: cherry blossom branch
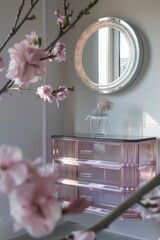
(65, 29)
(18, 14)
(16, 27)
(119, 210)
(55, 91)
(6, 86)
(65, 7)
(20, 89)
(13, 31)
(133, 199)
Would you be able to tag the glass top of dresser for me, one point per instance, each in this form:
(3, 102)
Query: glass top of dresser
(116, 138)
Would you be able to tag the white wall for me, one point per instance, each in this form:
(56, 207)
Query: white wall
(133, 106)
(22, 117)
(140, 99)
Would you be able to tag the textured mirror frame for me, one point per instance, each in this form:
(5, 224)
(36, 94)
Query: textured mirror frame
(135, 55)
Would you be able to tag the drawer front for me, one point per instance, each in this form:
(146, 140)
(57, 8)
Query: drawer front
(64, 149)
(99, 175)
(96, 197)
(139, 153)
(100, 202)
(126, 177)
(102, 197)
(99, 151)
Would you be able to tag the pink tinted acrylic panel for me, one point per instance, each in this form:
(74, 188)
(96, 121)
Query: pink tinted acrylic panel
(104, 171)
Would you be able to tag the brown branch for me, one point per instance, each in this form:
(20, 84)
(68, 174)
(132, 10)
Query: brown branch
(65, 7)
(13, 31)
(16, 27)
(133, 199)
(81, 13)
(18, 14)
(6, 86)
(119, 210)
(55, 91)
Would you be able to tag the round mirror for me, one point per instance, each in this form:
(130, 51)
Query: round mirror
(108, 55)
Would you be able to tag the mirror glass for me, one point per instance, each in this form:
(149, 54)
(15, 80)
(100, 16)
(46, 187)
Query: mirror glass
(108, 55)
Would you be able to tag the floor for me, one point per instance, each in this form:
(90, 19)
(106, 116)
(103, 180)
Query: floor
(64, 229)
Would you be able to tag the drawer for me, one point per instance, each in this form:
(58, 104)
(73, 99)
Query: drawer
(101, 201)
(115, 152)
(103, 170)
(99, 151)
(118, 175)
(98, 194)
(64, 148)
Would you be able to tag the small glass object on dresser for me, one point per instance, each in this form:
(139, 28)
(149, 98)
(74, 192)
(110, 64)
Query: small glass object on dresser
(99, 123)
(104, 170)
(99, 119)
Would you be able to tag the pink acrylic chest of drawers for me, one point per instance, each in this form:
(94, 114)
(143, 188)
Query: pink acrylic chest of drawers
(105, 171)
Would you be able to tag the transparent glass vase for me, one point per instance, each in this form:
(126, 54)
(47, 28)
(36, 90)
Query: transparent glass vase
(99, 123)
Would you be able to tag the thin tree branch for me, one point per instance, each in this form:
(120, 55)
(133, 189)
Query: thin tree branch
(6, 86)
(27, 15)
(65, 6)
(18, 14)
(129, 202)
(119, 210)
(81, 13)
(15, 29)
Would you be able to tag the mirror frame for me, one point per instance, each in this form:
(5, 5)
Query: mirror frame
(135, 58)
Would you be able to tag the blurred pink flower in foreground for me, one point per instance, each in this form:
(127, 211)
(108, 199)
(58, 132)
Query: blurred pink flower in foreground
(45, 92)
(2, 64)
(62, 94)
(76, 206)
(25, 65)
(30, 188)
(79, 235)
(13, 171)
(33, 206)
(30, 191)
(149, 206)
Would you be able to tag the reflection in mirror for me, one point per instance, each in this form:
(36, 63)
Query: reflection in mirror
(106, 62)
(108, 55)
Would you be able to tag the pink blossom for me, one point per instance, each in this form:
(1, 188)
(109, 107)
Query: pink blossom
(105, 105)
(25, 65)
(58, 53)
(33, 207)
(60, 18)
(45, 92)
(62, 94)
(76, 206)
(10, 154)
(13, 170)
(79, 235)
(2, 64)
(150, 208)
(32, 38)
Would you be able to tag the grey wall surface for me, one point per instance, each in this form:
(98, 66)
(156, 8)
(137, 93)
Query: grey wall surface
(23, 119)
